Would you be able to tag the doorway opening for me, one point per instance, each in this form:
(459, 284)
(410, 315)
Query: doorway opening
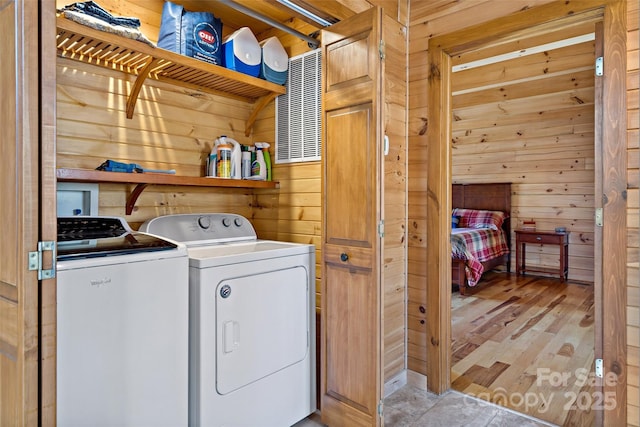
(443, 52)
(522, 116)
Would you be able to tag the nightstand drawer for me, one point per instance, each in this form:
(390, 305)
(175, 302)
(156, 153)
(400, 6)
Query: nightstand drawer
(541, 238)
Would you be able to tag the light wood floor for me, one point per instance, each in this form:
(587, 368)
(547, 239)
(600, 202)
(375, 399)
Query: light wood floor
(527, 343)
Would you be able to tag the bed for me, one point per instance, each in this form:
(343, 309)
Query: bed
(489, 249)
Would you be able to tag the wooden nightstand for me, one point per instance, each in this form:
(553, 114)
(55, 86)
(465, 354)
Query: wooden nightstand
(544, 238)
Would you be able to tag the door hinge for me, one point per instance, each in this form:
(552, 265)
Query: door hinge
(599, 217)
(35, 260)
(381, 409)
(599, 368)
(381, 49)
(381, 228)
(599, 66)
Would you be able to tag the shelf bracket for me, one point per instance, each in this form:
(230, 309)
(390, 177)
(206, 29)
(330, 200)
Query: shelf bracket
(137, 85)
(132, 198)
(259, 106)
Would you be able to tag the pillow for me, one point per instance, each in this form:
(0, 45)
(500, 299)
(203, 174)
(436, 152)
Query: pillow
(474, 218)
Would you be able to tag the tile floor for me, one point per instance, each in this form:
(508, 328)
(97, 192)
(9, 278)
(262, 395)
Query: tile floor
(413, 407)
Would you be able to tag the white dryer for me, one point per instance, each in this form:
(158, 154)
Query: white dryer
(251, 322)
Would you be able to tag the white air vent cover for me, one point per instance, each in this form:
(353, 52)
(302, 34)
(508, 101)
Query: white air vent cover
(298, 118)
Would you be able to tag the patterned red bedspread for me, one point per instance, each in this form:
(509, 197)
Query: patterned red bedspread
(476, 245)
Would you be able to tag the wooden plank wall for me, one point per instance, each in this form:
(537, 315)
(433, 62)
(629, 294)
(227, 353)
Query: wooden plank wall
(530, 121)
(633, 217)
(428, 19)
(170, 129)
(395, 199)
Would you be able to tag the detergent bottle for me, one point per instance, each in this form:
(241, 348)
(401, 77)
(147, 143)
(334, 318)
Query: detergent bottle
(246, 161)
(236, 158)
(264, 147)
(258, 167)
(225, 150)
(212, 160)
(267, 162)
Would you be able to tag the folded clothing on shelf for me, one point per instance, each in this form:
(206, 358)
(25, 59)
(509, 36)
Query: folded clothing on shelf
(113, 166)
(89, 13)
(91, 8)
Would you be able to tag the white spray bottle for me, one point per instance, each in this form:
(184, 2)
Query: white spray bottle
(236, 159)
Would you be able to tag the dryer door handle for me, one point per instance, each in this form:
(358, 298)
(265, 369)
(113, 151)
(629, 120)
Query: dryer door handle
(230, 336)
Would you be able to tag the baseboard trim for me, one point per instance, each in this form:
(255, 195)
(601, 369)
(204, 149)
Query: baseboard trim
(416, 379)
(395, 383)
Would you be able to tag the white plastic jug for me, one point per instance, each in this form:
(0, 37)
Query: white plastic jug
(242, 52)
(212, 160)
(236, 158)
(275, 61)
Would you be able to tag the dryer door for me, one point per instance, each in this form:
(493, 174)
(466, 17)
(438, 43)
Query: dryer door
(261, 326)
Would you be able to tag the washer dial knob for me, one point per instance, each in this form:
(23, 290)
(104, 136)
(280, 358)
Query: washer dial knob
(238, 222)
(226, 222)
(204, 222)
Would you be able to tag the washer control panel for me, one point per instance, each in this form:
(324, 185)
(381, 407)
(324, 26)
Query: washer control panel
(206, 227)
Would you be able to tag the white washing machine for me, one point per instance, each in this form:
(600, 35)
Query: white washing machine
(251, 322)
(122, 326)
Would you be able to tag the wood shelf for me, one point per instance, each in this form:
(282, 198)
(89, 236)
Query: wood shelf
(142, 180)
(85, 44)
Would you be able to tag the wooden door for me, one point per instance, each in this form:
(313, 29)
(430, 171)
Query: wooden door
(19, 228)
(27, 203)
(351, 367)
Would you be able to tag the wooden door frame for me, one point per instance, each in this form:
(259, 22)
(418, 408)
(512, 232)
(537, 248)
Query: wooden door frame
(612, 130)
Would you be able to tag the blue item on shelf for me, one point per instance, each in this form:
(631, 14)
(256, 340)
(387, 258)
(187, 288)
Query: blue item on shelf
(113, 166)
(275, 61)
(194, 34)
(242, 52)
